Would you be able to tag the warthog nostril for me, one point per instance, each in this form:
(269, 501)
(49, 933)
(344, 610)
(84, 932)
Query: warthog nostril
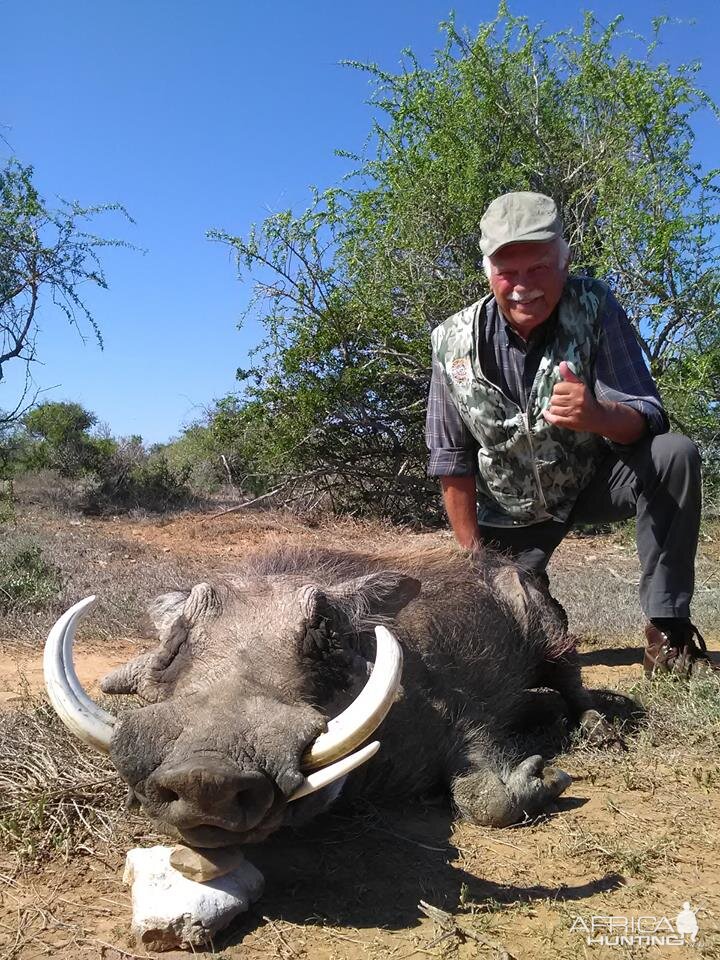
(164, 795)
(210, 791)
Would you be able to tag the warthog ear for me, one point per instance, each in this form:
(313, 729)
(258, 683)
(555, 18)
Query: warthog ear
(507, 580)
(151, 675)
(377, 594)
(128, 677)
(202, 602)
(144, 675)
(192, 604)
(165, 609)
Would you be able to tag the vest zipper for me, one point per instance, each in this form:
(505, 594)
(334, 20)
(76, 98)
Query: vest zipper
(536, 472)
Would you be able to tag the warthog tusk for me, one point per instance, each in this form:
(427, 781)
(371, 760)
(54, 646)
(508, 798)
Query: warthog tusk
(357, 722)
(321, 778)
(81, 715)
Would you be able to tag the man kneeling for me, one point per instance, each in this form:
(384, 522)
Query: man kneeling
(542, 414)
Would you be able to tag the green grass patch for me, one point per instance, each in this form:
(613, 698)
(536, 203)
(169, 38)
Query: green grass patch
(683, 713)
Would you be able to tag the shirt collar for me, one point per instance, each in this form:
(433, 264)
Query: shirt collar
(538, 336)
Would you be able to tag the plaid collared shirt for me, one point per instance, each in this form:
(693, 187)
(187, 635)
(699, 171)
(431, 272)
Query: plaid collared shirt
(512, 363)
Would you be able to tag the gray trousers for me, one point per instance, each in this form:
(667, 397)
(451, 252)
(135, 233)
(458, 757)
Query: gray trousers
(656, 480)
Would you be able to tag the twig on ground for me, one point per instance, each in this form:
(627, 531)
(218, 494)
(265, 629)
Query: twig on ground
(449, 927)
(278, 933)
(104, 947)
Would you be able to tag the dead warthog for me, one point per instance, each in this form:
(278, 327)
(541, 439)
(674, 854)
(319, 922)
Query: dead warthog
(258, 693)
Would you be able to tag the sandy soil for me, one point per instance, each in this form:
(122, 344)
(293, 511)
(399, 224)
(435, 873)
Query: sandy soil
(628, 839)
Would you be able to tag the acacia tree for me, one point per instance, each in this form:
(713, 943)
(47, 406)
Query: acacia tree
(59, 437)
(348, 290)
(45, 254)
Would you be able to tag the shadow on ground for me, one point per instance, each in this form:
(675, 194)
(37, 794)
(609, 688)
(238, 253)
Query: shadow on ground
(612, 657)
(622, 657)
(371, 871)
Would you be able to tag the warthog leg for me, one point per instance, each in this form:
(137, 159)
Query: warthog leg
(564, 676)
(531, 787)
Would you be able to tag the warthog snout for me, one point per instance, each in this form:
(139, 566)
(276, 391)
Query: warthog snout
(210, 792)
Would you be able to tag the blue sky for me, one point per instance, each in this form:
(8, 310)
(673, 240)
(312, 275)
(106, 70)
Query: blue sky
(213, 114)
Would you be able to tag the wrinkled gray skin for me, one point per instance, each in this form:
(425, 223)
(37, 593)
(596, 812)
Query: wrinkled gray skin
(249, 670)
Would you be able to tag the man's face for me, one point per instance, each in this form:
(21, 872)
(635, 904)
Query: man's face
(527, 282)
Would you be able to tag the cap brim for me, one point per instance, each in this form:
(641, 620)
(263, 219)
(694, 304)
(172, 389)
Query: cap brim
(539, 236)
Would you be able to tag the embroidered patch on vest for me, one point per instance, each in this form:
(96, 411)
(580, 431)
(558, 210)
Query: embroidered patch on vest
(460, 370)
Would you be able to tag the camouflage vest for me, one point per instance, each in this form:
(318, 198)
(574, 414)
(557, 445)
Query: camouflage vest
(529, 470)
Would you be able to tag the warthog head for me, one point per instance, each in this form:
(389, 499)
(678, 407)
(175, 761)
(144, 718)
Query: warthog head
(258, 694)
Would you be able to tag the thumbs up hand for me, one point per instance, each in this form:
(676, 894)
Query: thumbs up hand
(566, 372)
(572, 404)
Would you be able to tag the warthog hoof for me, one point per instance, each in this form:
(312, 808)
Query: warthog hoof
(597, 732)
(530, 788)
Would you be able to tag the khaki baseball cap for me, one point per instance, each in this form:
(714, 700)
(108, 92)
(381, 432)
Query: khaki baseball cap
(518, 217)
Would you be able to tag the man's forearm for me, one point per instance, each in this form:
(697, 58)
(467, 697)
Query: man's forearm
(619, 422)
(460, 497)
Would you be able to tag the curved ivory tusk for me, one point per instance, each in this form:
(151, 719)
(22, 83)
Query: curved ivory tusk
(357, 722)
(81, 715)
(316, 781)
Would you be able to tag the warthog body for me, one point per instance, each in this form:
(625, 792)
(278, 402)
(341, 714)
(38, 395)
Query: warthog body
(249, 670)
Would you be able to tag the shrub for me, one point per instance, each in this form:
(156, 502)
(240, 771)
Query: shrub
(27, 580)
(143, 482)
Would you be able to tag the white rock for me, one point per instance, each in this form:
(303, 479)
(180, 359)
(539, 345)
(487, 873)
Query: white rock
(171, 911)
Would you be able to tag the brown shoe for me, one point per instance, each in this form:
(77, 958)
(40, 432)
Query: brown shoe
(679, 650)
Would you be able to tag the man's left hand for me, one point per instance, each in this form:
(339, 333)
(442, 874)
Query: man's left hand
(572, 405)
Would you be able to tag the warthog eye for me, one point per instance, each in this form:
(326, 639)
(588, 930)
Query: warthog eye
(321, 640)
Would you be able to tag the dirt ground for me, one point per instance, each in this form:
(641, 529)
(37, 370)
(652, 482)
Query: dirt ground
(636, 835)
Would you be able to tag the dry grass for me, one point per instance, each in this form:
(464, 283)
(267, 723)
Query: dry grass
(596, 579)
(85, 559)
(88, 556)
(46, 490)
(57, 798)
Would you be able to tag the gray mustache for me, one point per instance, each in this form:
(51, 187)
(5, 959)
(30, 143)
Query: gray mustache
(525, 298)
